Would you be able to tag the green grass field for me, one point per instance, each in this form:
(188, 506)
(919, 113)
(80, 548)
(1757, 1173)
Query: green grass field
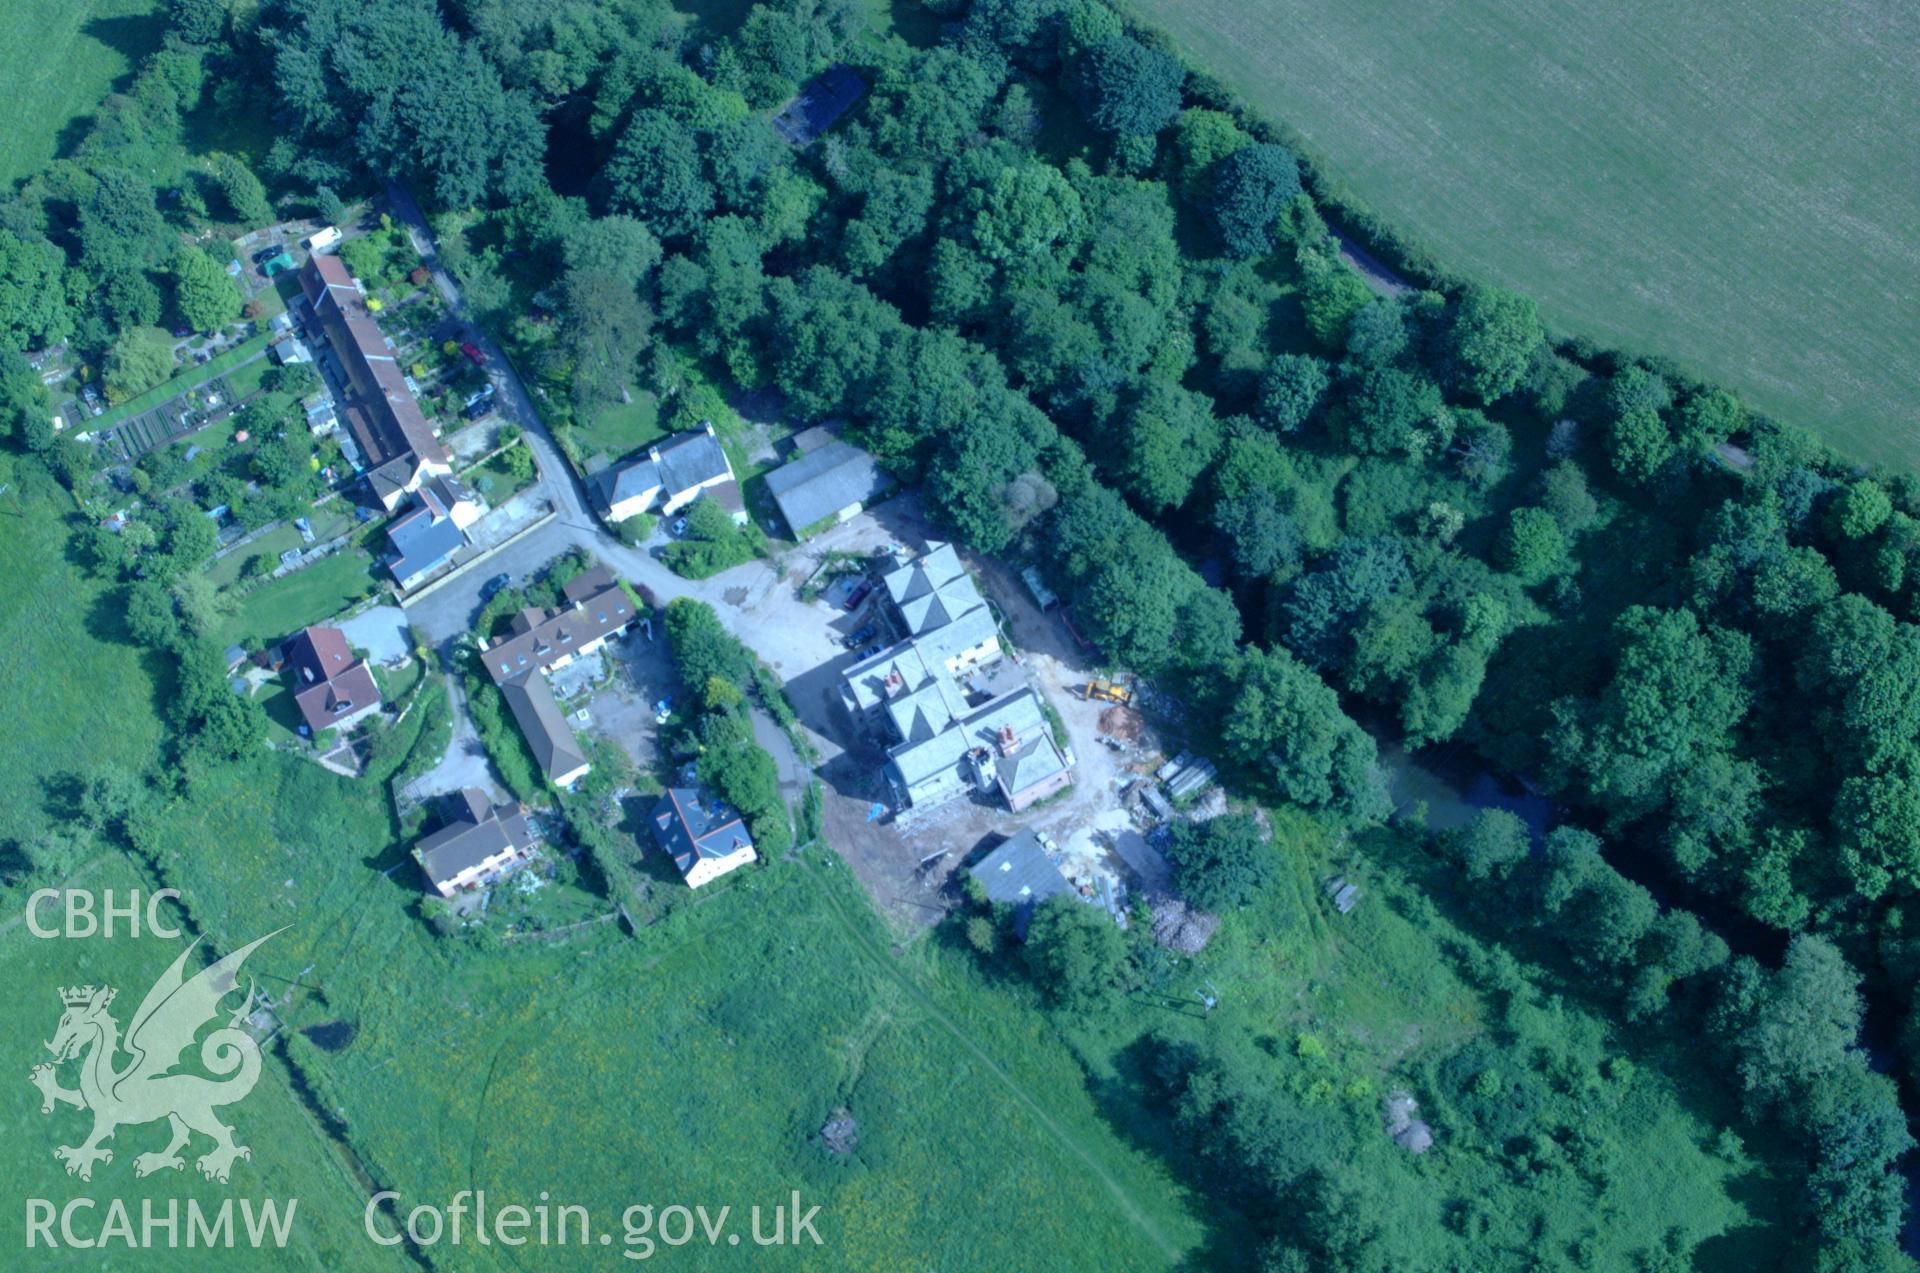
(1732, 186)
(58, 58)
(79, 697)
(272, 610)
(694, 1064)
(619, 431)
(293, 1159)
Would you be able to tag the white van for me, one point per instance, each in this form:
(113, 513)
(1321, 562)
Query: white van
(321, 240)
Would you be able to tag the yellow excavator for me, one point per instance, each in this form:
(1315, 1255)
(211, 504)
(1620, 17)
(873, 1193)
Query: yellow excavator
(1101, 691)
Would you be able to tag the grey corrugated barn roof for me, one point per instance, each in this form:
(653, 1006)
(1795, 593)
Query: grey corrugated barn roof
(822, 482)
(1021, 875)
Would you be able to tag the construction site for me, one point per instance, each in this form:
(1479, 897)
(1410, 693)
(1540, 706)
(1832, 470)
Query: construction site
(972, 726)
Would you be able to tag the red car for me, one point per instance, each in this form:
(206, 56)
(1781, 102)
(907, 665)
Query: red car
(859, 594)
(474, 353)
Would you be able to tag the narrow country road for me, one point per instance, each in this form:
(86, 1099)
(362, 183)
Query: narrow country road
(444, 614)
(562, 487)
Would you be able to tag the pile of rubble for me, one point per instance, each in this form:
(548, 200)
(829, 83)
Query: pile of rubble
(1180, 927)
(1123, 723)
(1408, 1132)
(841, 1134)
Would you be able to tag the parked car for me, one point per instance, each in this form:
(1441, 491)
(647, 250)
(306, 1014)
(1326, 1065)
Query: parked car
(474, 353)
(859, 594)
(663, 711)
(870, 651)
(863, 636)
(491, 588)
(181, 333)
(268, 252)
(679, 527)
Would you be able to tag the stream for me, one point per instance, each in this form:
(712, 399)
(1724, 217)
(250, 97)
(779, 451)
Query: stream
(1455, 784)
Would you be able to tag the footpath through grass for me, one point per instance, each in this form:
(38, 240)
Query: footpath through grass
(1731, 186)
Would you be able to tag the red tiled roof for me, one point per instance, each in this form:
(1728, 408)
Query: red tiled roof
(329, 683)
(391, 423)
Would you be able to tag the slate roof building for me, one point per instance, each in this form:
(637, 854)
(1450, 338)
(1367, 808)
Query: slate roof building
(1004, 748)
(940, 606)
(332, 688)
(429, 533)
(826, 485)
(477, 844)
(395, 442)
(704, 836)
(548, 735)
(671, 475)
(933, 701)
(1020, 874)
(594, 609)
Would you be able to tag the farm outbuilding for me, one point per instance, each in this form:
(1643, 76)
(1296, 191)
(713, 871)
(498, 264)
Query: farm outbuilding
(1020, 874)
(819, 105)
(825, 486)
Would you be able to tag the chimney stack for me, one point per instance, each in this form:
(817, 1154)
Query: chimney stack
(1008, 740)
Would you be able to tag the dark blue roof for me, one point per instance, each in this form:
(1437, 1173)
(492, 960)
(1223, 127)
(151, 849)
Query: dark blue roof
(820, 102)
(691, 824)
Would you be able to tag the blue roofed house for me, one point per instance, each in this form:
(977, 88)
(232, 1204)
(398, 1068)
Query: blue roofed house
(671, 475)
(432, 531)
(704, 836)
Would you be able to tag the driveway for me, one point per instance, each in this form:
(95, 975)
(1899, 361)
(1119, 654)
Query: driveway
(465, 764)
(382, 633)
(622, 709)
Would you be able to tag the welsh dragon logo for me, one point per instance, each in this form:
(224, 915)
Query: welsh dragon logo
(145, 1089)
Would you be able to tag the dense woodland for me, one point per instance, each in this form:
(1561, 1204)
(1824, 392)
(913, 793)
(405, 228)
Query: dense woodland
(1093, 308)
